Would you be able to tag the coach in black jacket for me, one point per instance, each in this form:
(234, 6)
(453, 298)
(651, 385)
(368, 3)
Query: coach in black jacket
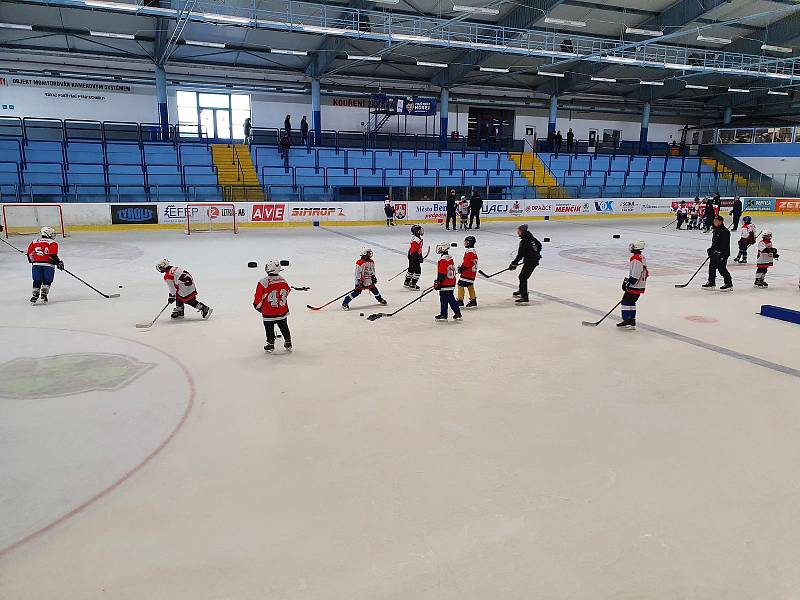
(475, 206)
(451, 210)
(718, 253)
(736, 211)
(529, 254)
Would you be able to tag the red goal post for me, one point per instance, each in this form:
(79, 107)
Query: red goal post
(211, 216)
(28, 218)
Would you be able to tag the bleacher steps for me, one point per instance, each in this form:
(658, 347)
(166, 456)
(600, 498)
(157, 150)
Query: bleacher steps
(238, 183)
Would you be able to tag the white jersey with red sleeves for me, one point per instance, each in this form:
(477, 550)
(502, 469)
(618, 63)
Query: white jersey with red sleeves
(748, 233)
(180, 284)
(272, 298)
(365, 273)
(469, 266)
(638, 272)
(416, 246)
(43, 251)
(446, 271)
(765, 250)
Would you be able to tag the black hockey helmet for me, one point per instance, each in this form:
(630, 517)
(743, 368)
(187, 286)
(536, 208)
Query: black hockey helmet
(417, 230)
(469, 241)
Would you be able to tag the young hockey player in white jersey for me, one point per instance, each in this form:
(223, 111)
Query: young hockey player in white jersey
(747, 238)
(181, 289)
(766, 254)
(633, 286)
(365, 279)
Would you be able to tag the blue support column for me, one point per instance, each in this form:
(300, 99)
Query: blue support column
(161, 93)
(726, 118)
(316, 112)
(551, 124)
(643, 145)
(444, 112)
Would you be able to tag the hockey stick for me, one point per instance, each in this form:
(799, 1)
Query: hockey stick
(12, 245)
(376, 316)
(327, 303)
(670, 223)
(398, 275)
(679, 285)
(90, 286)
(153, 322)
(596, 323)
(301, 289)
(493, 274)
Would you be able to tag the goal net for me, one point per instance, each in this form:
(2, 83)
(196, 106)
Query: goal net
(28, 219)
(212, 216)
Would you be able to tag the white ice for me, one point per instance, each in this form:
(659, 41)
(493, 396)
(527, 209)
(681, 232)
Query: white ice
(514, 455)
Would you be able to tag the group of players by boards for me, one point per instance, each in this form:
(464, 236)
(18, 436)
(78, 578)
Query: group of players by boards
(468, 211)
(452, 282)
(700, 215)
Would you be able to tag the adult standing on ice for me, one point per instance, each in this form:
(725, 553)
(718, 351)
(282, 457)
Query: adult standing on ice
(451, 210)
(719, 253)
(529, 254)
(736, 211)
(43, 256)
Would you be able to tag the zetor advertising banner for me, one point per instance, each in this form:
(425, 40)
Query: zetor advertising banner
(787, 205)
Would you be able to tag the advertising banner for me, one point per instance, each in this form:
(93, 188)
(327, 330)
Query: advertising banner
(134, 214)
(759, 204)
(787, 205)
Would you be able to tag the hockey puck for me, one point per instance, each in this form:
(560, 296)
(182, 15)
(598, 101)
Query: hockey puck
(616, 236)
(120, 287)
(252, 265)
(546, 239)
(360, 314)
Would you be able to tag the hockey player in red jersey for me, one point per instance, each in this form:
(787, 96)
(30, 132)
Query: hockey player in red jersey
(181, 289)
(633, 286)
(446, 282)
(415, 258)
(747, 238)
(43, 256)
(365, 279)
(766, 253)
(467, 272)
(272, 301)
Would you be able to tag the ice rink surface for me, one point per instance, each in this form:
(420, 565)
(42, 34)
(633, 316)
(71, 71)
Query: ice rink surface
(515, 455)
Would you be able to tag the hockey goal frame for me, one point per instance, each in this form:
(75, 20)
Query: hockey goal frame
(190, 205)
(59, 226)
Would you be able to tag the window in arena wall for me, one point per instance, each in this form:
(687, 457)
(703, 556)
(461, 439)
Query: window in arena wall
(727, 136)
(783, 135)
(764, 136)
(744, 136)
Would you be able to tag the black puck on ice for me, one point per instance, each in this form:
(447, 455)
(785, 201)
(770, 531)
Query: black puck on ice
(120, 287)
(546, 239)
(360, 314)
(616, 236)
(252, 265)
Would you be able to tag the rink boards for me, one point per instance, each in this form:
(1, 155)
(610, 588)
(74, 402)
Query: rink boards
(255, 214)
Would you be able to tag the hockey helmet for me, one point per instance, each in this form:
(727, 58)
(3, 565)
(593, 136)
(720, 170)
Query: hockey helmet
(767, 234)
(273, 266)
(469, 241)
(163, 265)
(366, 251)
(417, 230)
(636, 246)
(442, 247)
(747, 219)
(463, 198)
(47, 232)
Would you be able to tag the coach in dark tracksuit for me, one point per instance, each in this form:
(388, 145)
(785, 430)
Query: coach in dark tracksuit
(529, 254)
(708, 215)
(736, 211)
(475, 206)
(451, 209)
(719, 253)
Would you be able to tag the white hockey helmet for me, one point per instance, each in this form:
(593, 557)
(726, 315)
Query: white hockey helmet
(47, 232)
(366, 251)
(637, 246)
(163, 265)
(766, 233)
(463, 197)
(273, 266)
(442, 247)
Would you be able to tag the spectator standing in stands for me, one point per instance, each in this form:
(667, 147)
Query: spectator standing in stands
(287, 126)
(451, 209)
(304, 130)
(559, 139)
(736, 211)
(364, 128)
(285, 144)
(475, 206)
(570, 141)
(248, 130)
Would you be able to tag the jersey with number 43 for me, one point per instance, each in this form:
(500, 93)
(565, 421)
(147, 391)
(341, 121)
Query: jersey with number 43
(272, 298)
(180, 284)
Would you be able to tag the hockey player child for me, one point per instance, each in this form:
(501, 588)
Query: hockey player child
(463, 212)
(633, 286)
(415, 258)
(529, 254)
(766, 253)
(365, 279)
(181, 289)
(388, 209)
(43, 256)
(682, 213)
(272, 301)
(467, 272)
(747, 238)
(694, 213)
(446, 282)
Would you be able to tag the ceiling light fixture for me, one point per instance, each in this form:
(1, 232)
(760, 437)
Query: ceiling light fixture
(204, 44)
(691, 86)
(386, 1)
(637, 31)
(493, 70)
(550, 74)
(404, 37)
(651, 83)
(565, 22)
(475, 10)
(318, 29)
(363, 57)
(289, 52)
(777, 93)
(605, 79)
(772, 48)
(112, 5)
(226, 18)
(423, 63)
(16, 26)
(713, 40)
(108, 34)
(739, 90)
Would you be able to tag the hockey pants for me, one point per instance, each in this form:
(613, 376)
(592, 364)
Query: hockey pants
(629, 305)
(447, 298)
(269, 326)
(357, 292)
(761, 273)
(470, 289)
(414, 268)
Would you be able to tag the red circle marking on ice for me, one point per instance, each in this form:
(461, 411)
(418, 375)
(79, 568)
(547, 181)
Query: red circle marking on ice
(700, 319)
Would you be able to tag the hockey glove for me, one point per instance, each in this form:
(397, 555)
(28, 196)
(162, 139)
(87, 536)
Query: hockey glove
(437, 285)
(60, 265)
(625, 284)
(512, 266)
(460, 268)
(374, 280)
(171, 299)
(775, 255)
